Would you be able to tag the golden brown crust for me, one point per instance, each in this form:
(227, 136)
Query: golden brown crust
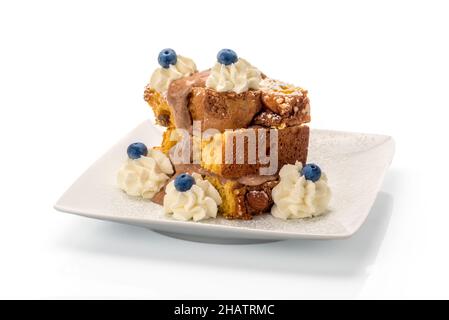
(293, 145)
(270, 119)
(284, 105)
(223, 110)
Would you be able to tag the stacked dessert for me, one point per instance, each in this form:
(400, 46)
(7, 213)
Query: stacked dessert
(234, 138)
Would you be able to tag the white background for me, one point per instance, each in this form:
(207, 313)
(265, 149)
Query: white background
(72, 75)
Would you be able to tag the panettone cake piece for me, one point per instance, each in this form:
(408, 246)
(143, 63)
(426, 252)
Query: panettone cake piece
(238, 110)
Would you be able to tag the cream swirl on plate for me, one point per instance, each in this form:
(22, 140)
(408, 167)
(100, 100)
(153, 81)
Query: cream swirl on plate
(237, 77)
(145, 176)
(162, 77)
(295, 197)
(198, 203)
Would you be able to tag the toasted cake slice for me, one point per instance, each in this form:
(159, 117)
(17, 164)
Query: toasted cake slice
(292, 146)
(275, 110)
(224, 110)
(284, 105)
(275, 104)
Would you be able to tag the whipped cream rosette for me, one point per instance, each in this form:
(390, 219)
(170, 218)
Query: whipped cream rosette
(232, 73)
(238, 77)
(195, 201)
(297, 197)
(177, 68)
(146, 175)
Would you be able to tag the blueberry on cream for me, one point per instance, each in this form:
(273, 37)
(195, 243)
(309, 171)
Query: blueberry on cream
(311, 172)
(227, 57)
(184, 182)
(167, 57)
(137, 150)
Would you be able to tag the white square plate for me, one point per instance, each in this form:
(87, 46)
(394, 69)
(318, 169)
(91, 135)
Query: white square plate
(355, 164)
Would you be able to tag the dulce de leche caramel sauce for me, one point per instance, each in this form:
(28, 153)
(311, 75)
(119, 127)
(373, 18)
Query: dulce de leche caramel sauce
(248, 180)
(177, 97)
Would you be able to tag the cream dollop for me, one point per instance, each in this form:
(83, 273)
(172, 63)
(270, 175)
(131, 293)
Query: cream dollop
(145, 176)
(162, 77)
(295, 197)
(198, 203)
(237, 77)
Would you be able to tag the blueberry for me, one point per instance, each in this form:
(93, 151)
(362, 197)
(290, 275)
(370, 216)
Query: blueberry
(227, 56)
(167, 57)
(136, 150)
(184, 182)
(311, 172)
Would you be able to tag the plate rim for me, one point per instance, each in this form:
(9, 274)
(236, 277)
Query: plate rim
(236, 230)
